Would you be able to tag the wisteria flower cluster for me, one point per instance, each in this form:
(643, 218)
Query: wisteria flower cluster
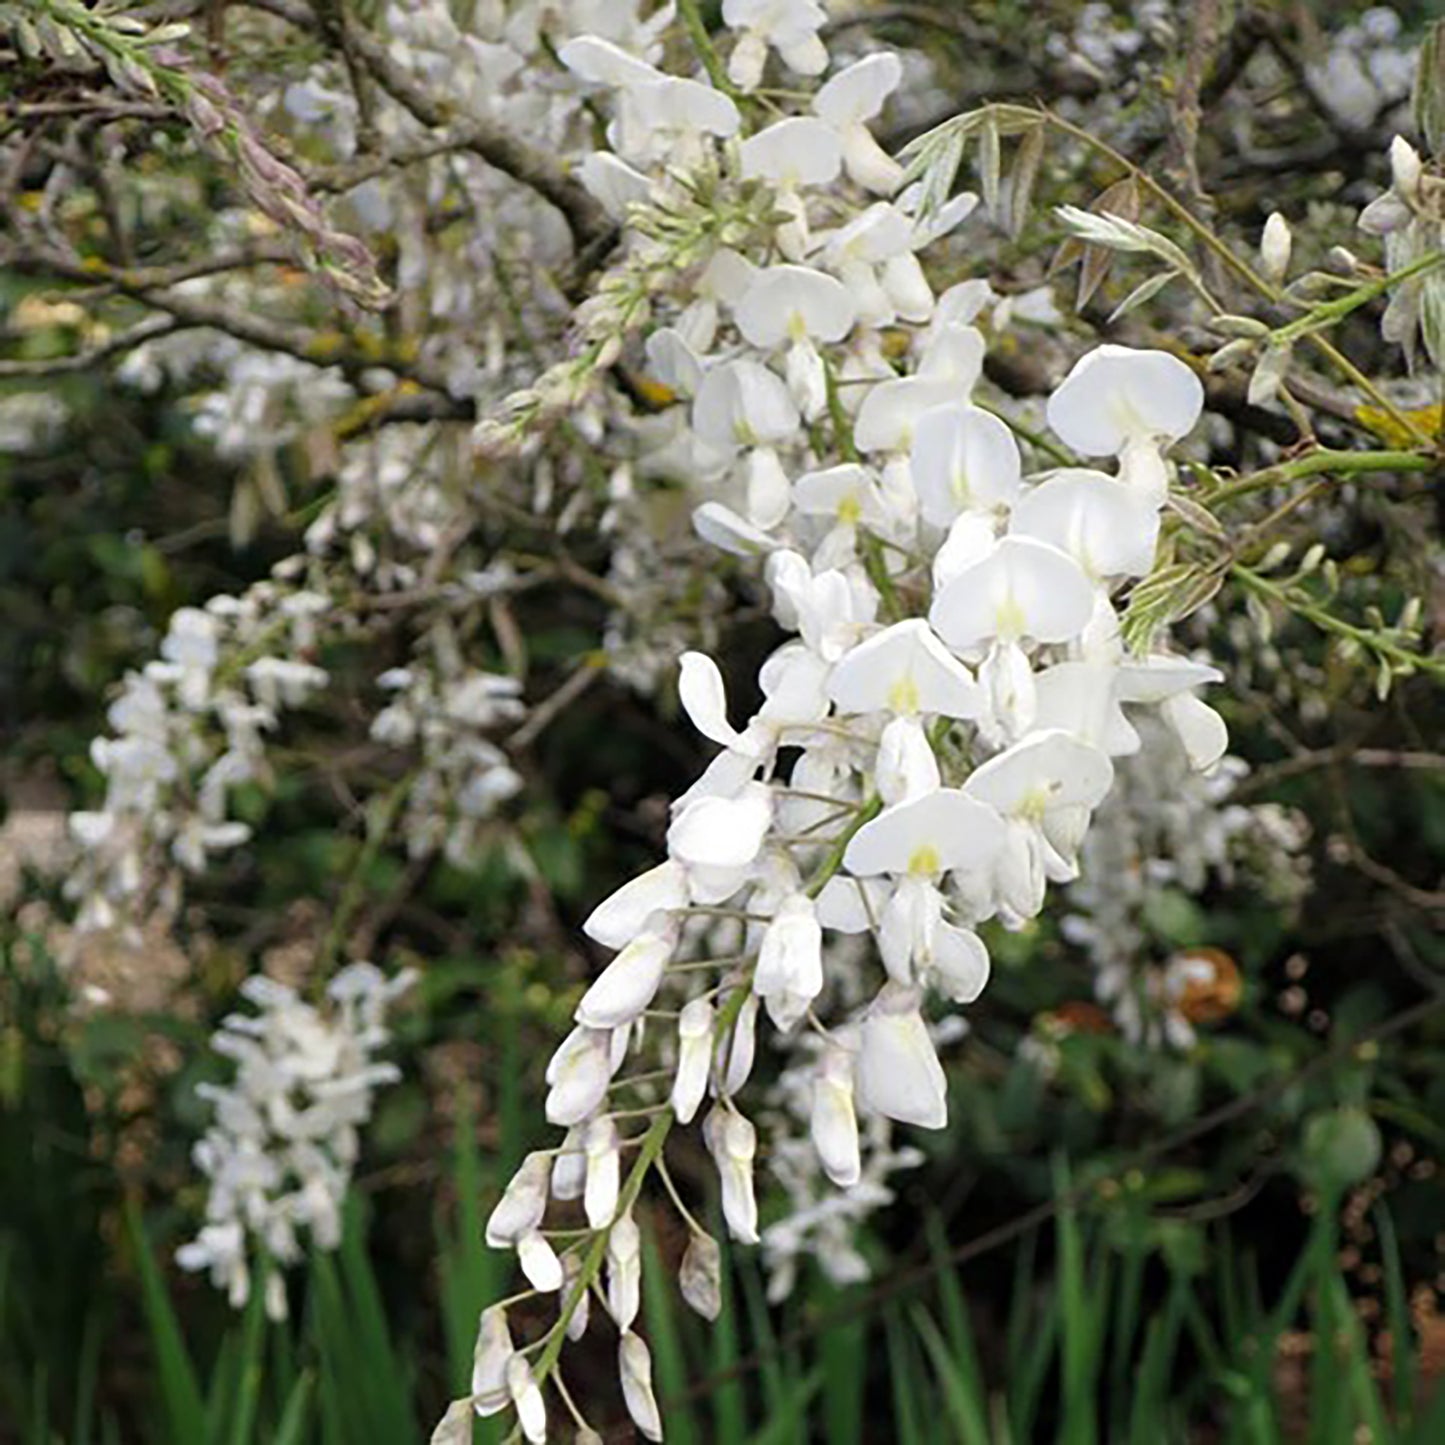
(935, 733)
(187, 730)
(280, 1153)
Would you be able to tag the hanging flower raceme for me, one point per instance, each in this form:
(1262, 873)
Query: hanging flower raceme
(936, 730)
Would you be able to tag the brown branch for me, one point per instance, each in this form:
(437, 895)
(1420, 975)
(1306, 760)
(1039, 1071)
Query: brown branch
(147, 330)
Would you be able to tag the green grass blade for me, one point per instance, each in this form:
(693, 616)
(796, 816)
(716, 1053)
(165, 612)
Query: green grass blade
(909, 1406)
(843, 1359)
(296, 1414)
(1079, 1328)
(185, 1412)
(1397, 1314)
(729, 1411)
(250, 1372)
(965, 1401)
(664, 1337)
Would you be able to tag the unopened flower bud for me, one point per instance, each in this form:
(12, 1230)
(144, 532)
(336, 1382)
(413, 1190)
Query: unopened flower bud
(635, 1367)
(733, 1142)
(1232, 325)
(527, 1397)
(604, 1167)
(624, 1271)
(539, 1262)
(1230, 353)
(834, 1124)
(569, 1169)
(628, 984)
(1405, 168)
(489, 1362)
(520, 1209)
(694, 1058)
(899, 1075)
(1274, 247)
(578, 1076)
(577, 1323)
(455, 1427)
(740, 1049)
(700, 1276)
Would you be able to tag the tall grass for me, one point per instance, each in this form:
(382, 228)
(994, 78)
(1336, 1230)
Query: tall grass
(1101, 1343)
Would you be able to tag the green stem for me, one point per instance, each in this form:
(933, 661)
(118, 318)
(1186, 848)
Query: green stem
(834, 861)
(1313, 463)
(1226, 255)
(1326, 621)
(1328, 312)
(651, 1151)
(706, 50)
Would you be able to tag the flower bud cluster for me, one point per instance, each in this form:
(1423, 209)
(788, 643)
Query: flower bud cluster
(280, 1153)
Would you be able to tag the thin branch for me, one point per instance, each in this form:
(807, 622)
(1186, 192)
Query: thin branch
(144, 331)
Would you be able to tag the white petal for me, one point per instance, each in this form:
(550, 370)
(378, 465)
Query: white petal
(601, 62)
(635, 1369)
(891, 411)
(621, 917)
(694, 1058)
(628, 984)
(539, 1263)
(604, 1170)
(1114, 393)
(1046, 770)
(673, 362)
(768, 493)
(904, 670)
(743, 404)
(798, 151)
(704, 698)
(624, 1271)
(1081, 698)
(578, 1075)
(489, 1362)
(1108, 528)
(721, 526)
(523, 1203)
(928, 836)
(858, 92)
(964, 459)
(785, 303)
(851, 905)
(531, 1409)
(1022, 589)
(833, 1123)
(1198, 727)
(906, 767)
(722, 832)
(960, 962)
(899, 1075)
